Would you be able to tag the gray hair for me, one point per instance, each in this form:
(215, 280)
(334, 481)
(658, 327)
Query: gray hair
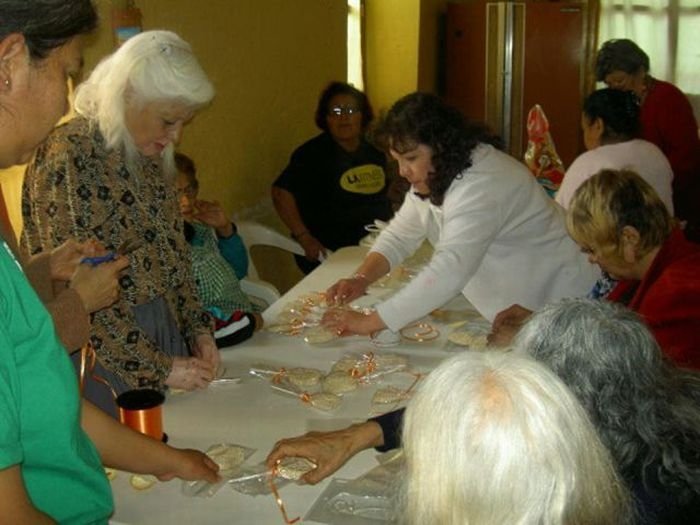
(493, 438)
(645, 409)
(150, 67)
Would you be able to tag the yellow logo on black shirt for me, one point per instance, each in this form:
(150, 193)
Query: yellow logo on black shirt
(366, 179)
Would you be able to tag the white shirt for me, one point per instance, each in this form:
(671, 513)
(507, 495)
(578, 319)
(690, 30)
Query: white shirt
(640, 156)
(498, 238)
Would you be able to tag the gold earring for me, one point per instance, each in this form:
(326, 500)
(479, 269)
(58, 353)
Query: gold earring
(7, 82)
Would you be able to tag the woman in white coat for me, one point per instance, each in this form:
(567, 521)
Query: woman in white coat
(498, 238)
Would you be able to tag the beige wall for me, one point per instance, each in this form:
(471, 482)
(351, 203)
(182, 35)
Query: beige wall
(401, 48)
(392, 31)
(428, 43)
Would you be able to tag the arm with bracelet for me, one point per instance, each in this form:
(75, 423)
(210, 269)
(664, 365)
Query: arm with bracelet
(287, 208)
(346, 321)
(346, 290)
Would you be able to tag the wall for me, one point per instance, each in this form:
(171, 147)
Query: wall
(268, 60)
(429, 42)
(392, 31)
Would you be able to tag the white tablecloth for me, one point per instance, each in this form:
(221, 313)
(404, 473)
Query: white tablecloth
(251, 414)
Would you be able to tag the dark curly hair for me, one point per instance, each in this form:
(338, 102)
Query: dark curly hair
(341, 88)
(619, 111)
(422, 118)
(620, 55)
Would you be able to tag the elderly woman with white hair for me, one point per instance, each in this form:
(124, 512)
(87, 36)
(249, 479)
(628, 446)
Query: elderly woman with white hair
(494, 438)
(109, 174)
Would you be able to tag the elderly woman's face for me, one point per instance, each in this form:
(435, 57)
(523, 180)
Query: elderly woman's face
(627, 81)
(186, 194)
(415, 165)
(620, 267)
(38, 97)
(154, 125)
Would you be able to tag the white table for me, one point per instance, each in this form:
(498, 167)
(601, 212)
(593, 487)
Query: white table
(251, 414)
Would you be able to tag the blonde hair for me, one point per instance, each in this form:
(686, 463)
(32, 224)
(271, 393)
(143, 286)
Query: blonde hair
(610, 200)
(493, 438)
(149, 67)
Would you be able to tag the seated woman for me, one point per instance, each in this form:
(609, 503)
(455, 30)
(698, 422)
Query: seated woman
(610, 123)
(219, 260)
(335, 183)
(498, 237)
(645, 409)
(666, 117)
(619, 220)
(498, 438)
(112, 168)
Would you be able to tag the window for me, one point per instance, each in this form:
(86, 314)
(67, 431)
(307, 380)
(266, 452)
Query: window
(355, 76)
(665, 29)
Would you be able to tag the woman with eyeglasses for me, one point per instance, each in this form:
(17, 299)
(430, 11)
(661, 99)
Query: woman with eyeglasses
(335, 183)
(666, 119)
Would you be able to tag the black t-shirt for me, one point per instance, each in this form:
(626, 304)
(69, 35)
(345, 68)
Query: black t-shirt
(337, 192)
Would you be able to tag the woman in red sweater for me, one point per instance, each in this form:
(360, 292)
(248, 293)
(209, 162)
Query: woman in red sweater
(618, 219)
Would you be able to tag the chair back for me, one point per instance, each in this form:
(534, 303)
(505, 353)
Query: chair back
(256, 234)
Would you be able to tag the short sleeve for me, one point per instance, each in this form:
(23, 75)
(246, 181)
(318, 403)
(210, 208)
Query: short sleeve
(10, 445)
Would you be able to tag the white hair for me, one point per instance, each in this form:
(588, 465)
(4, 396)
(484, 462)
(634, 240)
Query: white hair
(493, 438)
(153, 66)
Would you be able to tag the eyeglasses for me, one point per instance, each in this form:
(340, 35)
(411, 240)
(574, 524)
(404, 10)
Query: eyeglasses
(337, 111)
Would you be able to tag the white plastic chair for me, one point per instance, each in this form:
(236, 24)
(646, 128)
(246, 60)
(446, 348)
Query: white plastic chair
(256, 234)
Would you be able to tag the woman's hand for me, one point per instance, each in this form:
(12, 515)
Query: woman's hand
(347, 290)
(328, 450)
(188, 464)
(190, 373)
(507, 324)
(98, 286)
(313, 249)
(212, 214)
(348, 322)
(206, 349)
(65, 259)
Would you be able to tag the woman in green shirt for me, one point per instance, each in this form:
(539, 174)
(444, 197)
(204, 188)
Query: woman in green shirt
(50, 467)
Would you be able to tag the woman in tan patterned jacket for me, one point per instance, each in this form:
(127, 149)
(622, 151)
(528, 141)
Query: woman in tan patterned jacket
(109, 174)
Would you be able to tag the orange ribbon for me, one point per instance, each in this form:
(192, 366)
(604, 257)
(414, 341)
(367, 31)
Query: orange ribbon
(366, 366)
(148, 421)
(278, 498)
(428, 334)
(87, 354)
(277, 378)
(305, 397)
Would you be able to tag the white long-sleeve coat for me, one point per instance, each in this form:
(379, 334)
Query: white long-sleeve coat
(498, 238)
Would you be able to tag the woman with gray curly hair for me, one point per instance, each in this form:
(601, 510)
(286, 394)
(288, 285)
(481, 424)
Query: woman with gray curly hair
(493, 438)
(646, 410)
(109, 174)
